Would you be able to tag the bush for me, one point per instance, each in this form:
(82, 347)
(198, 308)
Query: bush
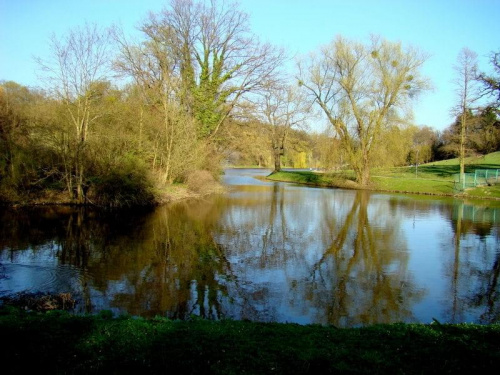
(126, 185)
(201, 182)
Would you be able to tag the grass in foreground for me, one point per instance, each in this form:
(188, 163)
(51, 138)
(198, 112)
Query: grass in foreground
(61, 343)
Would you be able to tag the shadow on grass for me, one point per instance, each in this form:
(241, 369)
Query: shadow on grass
(60, 343)
(308, 177)
(450, 170)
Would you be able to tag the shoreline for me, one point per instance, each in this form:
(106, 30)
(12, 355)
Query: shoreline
(339, 183)
(176, 193)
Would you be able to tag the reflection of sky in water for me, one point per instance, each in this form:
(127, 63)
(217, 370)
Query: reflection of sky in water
(279, 252)
(38, 276)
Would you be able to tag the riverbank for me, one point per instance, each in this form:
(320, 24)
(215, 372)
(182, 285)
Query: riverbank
(435, 178)
(388, 183)
(169, 194)
(58, 342)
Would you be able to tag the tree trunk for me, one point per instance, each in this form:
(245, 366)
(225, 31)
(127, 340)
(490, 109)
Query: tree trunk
(80, 194)
(462, 148)
(277, 159)
(362, 169)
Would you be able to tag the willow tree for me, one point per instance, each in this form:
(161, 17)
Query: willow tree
(78, 61)
(218, 60)
(361, 88)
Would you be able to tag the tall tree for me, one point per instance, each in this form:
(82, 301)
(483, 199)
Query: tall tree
(77, 62)
(361, 88)
(153, 65)
(283, 108)
(467, 94)
(218, 60)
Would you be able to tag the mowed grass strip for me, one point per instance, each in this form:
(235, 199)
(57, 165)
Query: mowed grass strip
(413, 185)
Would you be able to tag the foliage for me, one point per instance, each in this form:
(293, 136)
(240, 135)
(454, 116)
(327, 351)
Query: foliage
(394, 147)
(128, 185)
(483, 134)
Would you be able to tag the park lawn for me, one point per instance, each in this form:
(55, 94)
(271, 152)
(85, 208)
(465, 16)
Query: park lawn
(312, 178)
(488, 161)
(433, 178)
(391, 183)
(484, 192)
(413, 185)
(59, 343)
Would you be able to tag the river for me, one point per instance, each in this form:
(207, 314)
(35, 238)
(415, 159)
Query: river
(266, 251)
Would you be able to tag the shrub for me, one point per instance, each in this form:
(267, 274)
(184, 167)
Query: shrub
(201, 182)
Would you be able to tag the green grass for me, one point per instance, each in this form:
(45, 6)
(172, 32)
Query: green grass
(433, 178)
(58, 343)
(312, 178)
(414, 185)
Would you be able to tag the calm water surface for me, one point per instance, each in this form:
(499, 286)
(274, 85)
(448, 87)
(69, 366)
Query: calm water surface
(266, 252)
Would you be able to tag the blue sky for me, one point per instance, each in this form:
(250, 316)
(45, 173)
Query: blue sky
(439, 27)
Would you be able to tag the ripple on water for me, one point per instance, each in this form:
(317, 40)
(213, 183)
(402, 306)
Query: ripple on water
(30, 278)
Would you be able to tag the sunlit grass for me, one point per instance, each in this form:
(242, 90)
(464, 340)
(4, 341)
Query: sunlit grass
(433, 178)
(414, 185)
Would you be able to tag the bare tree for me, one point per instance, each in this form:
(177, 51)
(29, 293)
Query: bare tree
(218, 60)
(361, 88)
(153, 65)
(78, 61)
(283, 108)
(467, 94)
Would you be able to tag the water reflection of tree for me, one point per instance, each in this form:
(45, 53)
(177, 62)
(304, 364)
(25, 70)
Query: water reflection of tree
(144, 263)
(473, 267)
(267, 245)
(170, 265)
(362, 277)
(263, 253)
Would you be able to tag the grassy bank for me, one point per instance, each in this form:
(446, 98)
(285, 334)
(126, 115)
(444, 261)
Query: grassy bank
(432, 179)
(61, 343)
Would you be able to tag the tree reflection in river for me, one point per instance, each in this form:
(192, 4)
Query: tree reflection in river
(474, 265)
(174, 267)
(363, 275)
(266, 252)
(335, 259)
